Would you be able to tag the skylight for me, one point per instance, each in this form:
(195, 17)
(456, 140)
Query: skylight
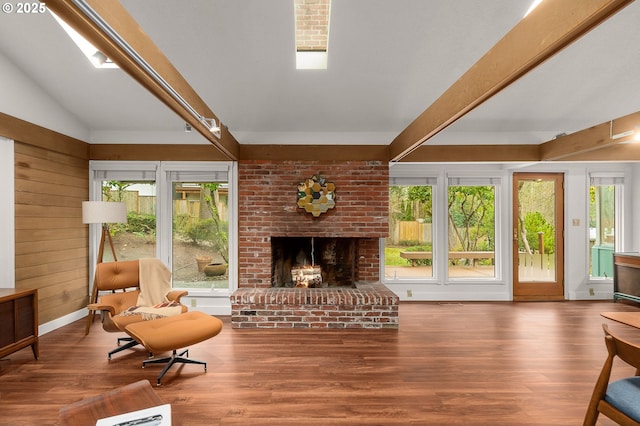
(97, 58)
(533, 6)
(312, 33)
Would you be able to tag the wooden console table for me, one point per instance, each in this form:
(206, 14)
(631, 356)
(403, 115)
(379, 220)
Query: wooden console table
(626, 276)
(18, 321)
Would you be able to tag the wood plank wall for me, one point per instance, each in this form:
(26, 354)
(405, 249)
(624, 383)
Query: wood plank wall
(51, 181)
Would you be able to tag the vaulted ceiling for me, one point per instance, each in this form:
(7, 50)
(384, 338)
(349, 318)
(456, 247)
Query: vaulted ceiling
(424, 80)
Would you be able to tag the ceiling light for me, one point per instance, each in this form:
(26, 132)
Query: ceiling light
(100, 60)
(622, 135)
(187, 128)
(97, 58)
(635, 132)
(212, 125)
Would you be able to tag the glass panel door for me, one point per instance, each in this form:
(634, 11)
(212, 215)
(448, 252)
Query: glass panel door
(538, 218)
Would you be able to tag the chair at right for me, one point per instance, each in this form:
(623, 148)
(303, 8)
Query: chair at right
(618, 400)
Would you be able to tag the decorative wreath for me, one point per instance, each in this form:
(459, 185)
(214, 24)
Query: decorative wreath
(316, 195)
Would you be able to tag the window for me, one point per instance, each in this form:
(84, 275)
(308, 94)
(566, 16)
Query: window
(136, 238)
(408, 251)
(605, 195)
(471, 227)
(178, 212)
(465, 221)
(199, 229)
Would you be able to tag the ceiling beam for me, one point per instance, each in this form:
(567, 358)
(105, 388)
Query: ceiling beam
(473, 154)
(154, 152)
(594, 138)
(127, 29)
(622, 152)
(548, 29)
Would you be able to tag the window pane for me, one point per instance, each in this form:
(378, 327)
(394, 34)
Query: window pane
(536, 230)
(471, 231)
(601, 230)
(408, 248)
(136, 238)
(200, 235)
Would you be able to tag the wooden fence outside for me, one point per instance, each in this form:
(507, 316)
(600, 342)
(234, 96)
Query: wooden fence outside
(146, 204)
(410, 231)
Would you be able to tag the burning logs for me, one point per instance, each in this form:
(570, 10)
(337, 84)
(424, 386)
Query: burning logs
(306, 276)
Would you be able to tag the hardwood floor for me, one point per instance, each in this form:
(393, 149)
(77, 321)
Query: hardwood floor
(448, 364)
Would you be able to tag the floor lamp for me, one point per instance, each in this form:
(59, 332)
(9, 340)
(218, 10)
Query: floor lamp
(103, 213)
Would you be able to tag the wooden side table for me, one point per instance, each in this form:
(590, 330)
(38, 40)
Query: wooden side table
(628, 318)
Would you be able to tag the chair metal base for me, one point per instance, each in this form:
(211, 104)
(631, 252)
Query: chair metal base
(170, 360)
(130, 343)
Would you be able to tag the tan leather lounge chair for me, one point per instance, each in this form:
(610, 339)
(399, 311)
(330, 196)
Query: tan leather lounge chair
(122, 278)
(172, 333)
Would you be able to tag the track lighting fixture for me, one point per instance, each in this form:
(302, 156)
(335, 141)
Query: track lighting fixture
(213, 126)
(635, 132)
(210, 123)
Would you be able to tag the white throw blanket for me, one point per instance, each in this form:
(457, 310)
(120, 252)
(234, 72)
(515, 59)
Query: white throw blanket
(155, 282)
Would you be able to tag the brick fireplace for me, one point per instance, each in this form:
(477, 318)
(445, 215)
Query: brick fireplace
(268, 212)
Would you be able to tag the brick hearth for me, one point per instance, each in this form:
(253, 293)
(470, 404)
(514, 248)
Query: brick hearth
(369, 305)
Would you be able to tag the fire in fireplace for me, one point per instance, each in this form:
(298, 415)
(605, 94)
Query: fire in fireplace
(313, 262)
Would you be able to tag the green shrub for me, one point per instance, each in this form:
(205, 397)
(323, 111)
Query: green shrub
(199, 230)
(180, 223)
(138, 224)
(407, 246)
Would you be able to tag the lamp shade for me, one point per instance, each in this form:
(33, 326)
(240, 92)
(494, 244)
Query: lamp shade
(103, 212)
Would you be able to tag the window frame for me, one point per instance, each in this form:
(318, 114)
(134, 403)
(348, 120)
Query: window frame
(425, 180)
(617, 180)
(478, 180)
(161, 172)
(414, 174)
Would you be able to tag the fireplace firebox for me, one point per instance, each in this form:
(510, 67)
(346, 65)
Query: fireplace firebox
(313, 262)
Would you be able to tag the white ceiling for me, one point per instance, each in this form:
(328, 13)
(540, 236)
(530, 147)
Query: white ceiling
(388, 61)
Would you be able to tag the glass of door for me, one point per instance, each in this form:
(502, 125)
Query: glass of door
(537, 236)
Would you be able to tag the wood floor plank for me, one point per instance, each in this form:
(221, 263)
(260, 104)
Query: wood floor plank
(524, 364)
